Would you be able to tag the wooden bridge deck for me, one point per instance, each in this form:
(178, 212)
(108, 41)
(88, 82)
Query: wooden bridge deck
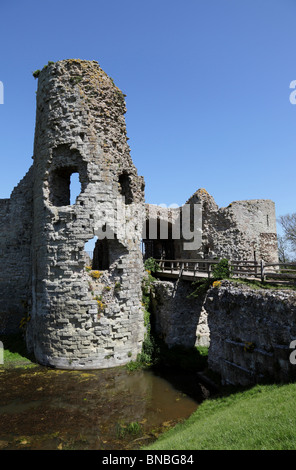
(186, 275)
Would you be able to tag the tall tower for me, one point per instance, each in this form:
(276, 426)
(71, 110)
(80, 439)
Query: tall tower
(84, 316)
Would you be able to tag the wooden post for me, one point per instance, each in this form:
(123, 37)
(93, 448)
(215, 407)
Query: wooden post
(181, 270)
(195, 268)
(209, 269)
(262, 271)
(256, 272)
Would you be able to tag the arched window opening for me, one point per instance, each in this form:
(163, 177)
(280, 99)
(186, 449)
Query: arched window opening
(101, 256)
(125, 188)
(97, 254)
(67, 177)
(65, 186)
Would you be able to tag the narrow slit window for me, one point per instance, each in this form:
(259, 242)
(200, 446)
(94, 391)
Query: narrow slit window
(125, 188)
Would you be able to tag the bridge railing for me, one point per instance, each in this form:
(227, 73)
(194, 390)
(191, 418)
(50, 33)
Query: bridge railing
(282, 271)
(243, 269)
(184, 266)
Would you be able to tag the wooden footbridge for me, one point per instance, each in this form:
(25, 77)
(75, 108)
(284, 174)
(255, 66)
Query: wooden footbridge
(193, 269)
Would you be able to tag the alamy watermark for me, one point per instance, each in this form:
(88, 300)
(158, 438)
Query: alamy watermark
(1, 353)
(1, 93)
(156, 223)
(293, 94)
(293, 353)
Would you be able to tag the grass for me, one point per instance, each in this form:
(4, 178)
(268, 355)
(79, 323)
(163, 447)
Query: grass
(133, 428)
(261, 418)
(15, 352)
(263, 285)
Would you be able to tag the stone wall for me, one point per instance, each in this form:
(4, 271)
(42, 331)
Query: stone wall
(250, 333)
(86, 319)
(248, 330)
(178, 319)
(78, 321)
(15, 255)
(244, 230)
(80, 318)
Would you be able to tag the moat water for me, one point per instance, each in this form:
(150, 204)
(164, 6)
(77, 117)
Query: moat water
(110, 409)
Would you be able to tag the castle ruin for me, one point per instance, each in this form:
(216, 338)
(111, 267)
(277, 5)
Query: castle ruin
(77, 320)
(244, 230)
(81, 316)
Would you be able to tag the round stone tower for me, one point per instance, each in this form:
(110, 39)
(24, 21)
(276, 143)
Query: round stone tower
(86, 311)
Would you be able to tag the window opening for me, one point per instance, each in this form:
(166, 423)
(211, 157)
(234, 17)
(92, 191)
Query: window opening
(97, 254)
(64, 186)
(75, 187)
(101, 258)
(125, 188)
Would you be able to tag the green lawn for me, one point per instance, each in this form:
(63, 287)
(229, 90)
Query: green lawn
(262, 418)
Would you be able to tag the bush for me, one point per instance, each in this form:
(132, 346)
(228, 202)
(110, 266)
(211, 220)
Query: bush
(151, 265)
(222, 270)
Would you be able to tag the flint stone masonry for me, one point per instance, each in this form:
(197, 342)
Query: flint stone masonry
(250, 333)
(76, 321)
(178, 319)
(16, 217)
(244, 230)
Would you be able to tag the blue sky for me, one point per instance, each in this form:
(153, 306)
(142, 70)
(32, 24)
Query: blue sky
(207, 85)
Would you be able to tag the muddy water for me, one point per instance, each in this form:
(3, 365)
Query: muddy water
(107, 409)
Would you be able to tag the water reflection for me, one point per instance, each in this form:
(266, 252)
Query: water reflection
(42, 408)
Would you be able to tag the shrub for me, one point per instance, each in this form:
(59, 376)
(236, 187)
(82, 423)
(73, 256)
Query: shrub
(216, 283)
(36, 73)
(95, 274)
(222, 270)
(151, 265)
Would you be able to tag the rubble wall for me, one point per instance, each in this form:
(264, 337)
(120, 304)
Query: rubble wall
(16, 220)
(180, 320)
(84, 318)
(250, 333)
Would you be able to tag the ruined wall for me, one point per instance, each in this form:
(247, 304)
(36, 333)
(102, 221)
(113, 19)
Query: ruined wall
(250, 333)
(178, 319)
(244, 230)
(15, 255)
(78, 321)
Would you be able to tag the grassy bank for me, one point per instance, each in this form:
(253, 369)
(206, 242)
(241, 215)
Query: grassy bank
(262, 418)
(255, 284)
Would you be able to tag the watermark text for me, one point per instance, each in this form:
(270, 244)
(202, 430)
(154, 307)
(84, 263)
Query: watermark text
(293, 94)
(1, 93)
(154, 223)
(1, 353)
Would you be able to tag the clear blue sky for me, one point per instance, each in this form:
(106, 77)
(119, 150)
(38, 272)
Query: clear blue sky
(207, 85)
